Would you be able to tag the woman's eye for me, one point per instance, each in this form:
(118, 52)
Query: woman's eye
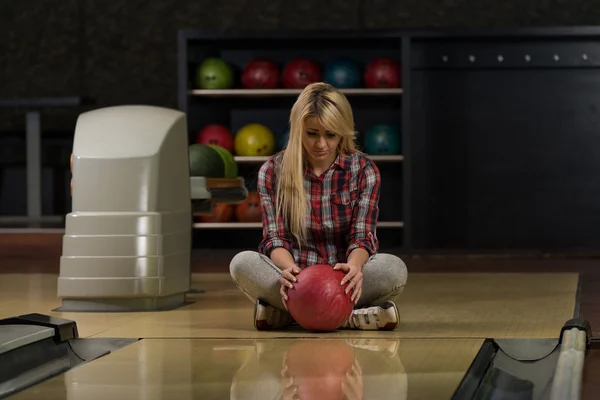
(331, 135)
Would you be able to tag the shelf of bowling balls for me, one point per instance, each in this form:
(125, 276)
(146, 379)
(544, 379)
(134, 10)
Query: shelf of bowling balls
(287, 92)
(376, 158)
(256, 225)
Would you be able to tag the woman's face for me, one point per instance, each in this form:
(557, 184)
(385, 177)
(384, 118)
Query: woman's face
(319, 144)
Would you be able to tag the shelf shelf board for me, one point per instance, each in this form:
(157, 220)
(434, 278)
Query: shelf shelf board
(258, 225)
(286, 92)
(252, 160)
(227, 225)
(390, 224)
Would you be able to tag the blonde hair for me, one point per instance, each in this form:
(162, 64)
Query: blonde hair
(333, 111)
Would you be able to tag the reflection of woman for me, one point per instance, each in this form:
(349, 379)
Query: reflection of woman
(322, 369)
(320, 204)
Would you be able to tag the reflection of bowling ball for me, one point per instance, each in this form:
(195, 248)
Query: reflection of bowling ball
(214, 73)
(219, 213)
(260, 74)
(299, 73)
(216, 134)
(254, 140)
(318, 302)
(342, 73)
(249, 209)
(383, 140)
(382, 73)
(318, 367)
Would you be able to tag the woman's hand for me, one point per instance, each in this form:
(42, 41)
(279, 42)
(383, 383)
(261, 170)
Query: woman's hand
(288, 384)
(354, 275)
(286, 280)
(353, 386)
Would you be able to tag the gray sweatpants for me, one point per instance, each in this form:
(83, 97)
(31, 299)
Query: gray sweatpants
(384, 278)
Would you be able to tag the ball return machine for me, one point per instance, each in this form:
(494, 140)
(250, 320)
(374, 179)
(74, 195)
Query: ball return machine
(127, 240)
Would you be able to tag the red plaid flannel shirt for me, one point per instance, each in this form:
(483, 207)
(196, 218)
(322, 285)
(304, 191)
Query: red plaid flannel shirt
(344, 207)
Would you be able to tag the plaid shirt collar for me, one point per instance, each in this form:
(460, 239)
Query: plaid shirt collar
(342, 161)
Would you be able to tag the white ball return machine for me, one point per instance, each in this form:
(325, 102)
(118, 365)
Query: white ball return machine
(128, 238)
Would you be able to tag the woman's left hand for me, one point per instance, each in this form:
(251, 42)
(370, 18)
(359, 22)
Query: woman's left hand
(354, 275)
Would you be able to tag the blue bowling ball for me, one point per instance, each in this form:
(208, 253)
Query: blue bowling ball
(342, 73)
(383, 139)
(282, 140)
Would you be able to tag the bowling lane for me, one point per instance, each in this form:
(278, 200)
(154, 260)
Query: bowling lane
(36, 293)
(431, 306)
(437, 305)
(269, 369)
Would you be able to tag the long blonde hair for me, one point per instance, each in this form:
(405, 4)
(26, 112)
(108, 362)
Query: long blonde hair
(333, 111)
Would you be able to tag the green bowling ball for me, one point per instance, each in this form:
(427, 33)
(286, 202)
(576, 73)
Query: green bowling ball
(205, 161)
(214, 73)
(231, 168)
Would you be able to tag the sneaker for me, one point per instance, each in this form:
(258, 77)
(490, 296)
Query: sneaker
(383, 317)
(388, 347)
(267, 317)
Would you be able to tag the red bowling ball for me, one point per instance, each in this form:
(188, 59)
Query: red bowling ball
(299, 73)
(216, 134)
(318, 302)
(260, 74)
(382, 73)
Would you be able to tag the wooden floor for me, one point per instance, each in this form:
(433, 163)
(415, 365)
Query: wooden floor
(210, 350)
(439, 306)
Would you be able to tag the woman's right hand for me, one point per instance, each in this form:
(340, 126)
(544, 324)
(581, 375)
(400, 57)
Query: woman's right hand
(287, 281)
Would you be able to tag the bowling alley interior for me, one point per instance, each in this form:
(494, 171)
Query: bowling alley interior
(159, 162)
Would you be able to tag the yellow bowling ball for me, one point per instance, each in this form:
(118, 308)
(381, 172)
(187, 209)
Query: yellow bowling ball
(254, 140)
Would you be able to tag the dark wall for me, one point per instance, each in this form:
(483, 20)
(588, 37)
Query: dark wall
(119, 52)
(126, 52)
(505, 154)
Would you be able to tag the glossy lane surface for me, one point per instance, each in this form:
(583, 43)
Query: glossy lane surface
(269, 369)
(210, 349)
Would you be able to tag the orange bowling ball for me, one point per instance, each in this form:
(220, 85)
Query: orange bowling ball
(249, 210)
(219, 213)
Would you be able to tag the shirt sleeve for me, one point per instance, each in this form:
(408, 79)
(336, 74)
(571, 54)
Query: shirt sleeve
(274, 234)
(366, 211)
